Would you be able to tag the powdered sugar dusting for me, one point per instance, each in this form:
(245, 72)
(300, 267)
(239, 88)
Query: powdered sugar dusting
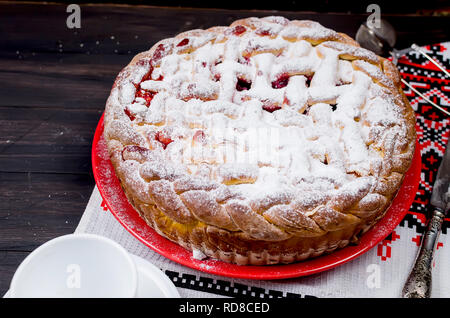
(198, 255)
(273, 107)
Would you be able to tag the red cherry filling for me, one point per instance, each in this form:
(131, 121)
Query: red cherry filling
(183, 42)
(148, 96)
(243, 85)
(271, 108)
(244, 60)
(281, 82)
(239, 29)
(199, 136)
(308, 80)
(141, 150)
(159, 53)
(135, 148)
(263, 32)
(163, 139)
(147, 76)
(129, 114)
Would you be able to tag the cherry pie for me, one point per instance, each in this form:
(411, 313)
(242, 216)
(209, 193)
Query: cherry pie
(268, 141)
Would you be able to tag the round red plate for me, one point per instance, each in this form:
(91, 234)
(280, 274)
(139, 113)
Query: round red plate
(117, 203)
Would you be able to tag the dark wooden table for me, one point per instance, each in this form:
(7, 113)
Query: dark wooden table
(53, 85)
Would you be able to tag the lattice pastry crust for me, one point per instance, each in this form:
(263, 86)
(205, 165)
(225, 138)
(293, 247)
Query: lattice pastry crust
(268, 141)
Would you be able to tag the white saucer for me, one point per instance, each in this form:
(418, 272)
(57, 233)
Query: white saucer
(152, 282)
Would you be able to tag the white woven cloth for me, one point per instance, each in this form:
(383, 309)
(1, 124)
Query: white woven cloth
(381, 272)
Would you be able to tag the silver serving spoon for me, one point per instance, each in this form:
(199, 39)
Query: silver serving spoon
(381, 40)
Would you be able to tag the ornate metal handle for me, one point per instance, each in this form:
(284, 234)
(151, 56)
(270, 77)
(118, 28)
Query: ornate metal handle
(418, 284)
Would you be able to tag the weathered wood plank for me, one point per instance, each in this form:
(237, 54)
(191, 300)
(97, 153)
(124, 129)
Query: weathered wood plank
(9, 261)
(36, 207)
(123, 28)
(65, 68)
(57, 91)
(46, 140)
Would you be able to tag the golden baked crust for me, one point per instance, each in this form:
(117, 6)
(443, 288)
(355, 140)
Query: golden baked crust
(344, 133)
